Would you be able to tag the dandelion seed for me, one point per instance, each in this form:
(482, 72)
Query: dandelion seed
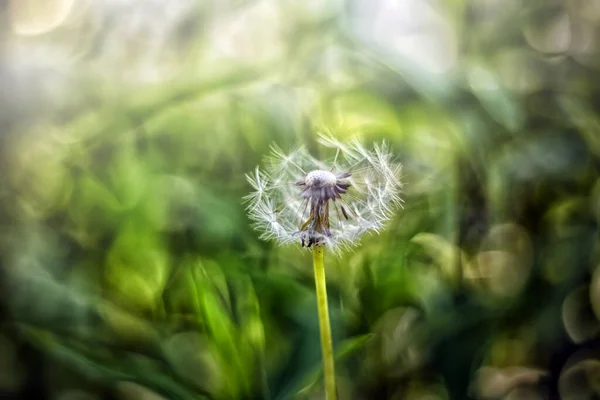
(355, 192)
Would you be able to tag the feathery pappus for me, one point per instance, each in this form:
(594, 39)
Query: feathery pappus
(297, 198)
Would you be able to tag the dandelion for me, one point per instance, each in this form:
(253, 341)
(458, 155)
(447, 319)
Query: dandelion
(300, 199)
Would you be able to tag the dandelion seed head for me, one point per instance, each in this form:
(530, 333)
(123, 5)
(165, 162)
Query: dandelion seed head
(298, 198)
(319, 177)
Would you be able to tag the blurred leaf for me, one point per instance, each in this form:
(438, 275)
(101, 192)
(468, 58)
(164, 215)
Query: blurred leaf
(125, 326)
(99, 366)
(194, 357)
(136, 267)
(447, 256)
(495, 99)
(343, 350)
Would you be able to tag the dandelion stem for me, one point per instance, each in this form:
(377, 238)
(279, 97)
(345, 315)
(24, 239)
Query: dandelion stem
(324, 325)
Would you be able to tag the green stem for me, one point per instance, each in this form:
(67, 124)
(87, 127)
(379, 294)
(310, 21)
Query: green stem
(325, 328)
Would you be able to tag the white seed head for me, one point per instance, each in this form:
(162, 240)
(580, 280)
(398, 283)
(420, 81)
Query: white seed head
(297, 198)
(320, 178)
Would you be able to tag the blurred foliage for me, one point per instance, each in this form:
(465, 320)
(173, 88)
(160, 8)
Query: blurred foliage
(130, 271)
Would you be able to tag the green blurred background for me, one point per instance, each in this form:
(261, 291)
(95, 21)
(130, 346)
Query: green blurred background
(129, 267)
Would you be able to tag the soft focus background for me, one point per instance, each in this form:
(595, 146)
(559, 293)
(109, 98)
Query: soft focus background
(129, 267)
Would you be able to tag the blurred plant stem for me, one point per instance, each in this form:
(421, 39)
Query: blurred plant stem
(324, 326)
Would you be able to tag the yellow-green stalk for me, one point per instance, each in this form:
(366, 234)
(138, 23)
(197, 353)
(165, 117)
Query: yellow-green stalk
(324, 325)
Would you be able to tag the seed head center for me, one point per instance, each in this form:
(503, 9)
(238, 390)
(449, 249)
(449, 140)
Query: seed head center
(320, 178)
